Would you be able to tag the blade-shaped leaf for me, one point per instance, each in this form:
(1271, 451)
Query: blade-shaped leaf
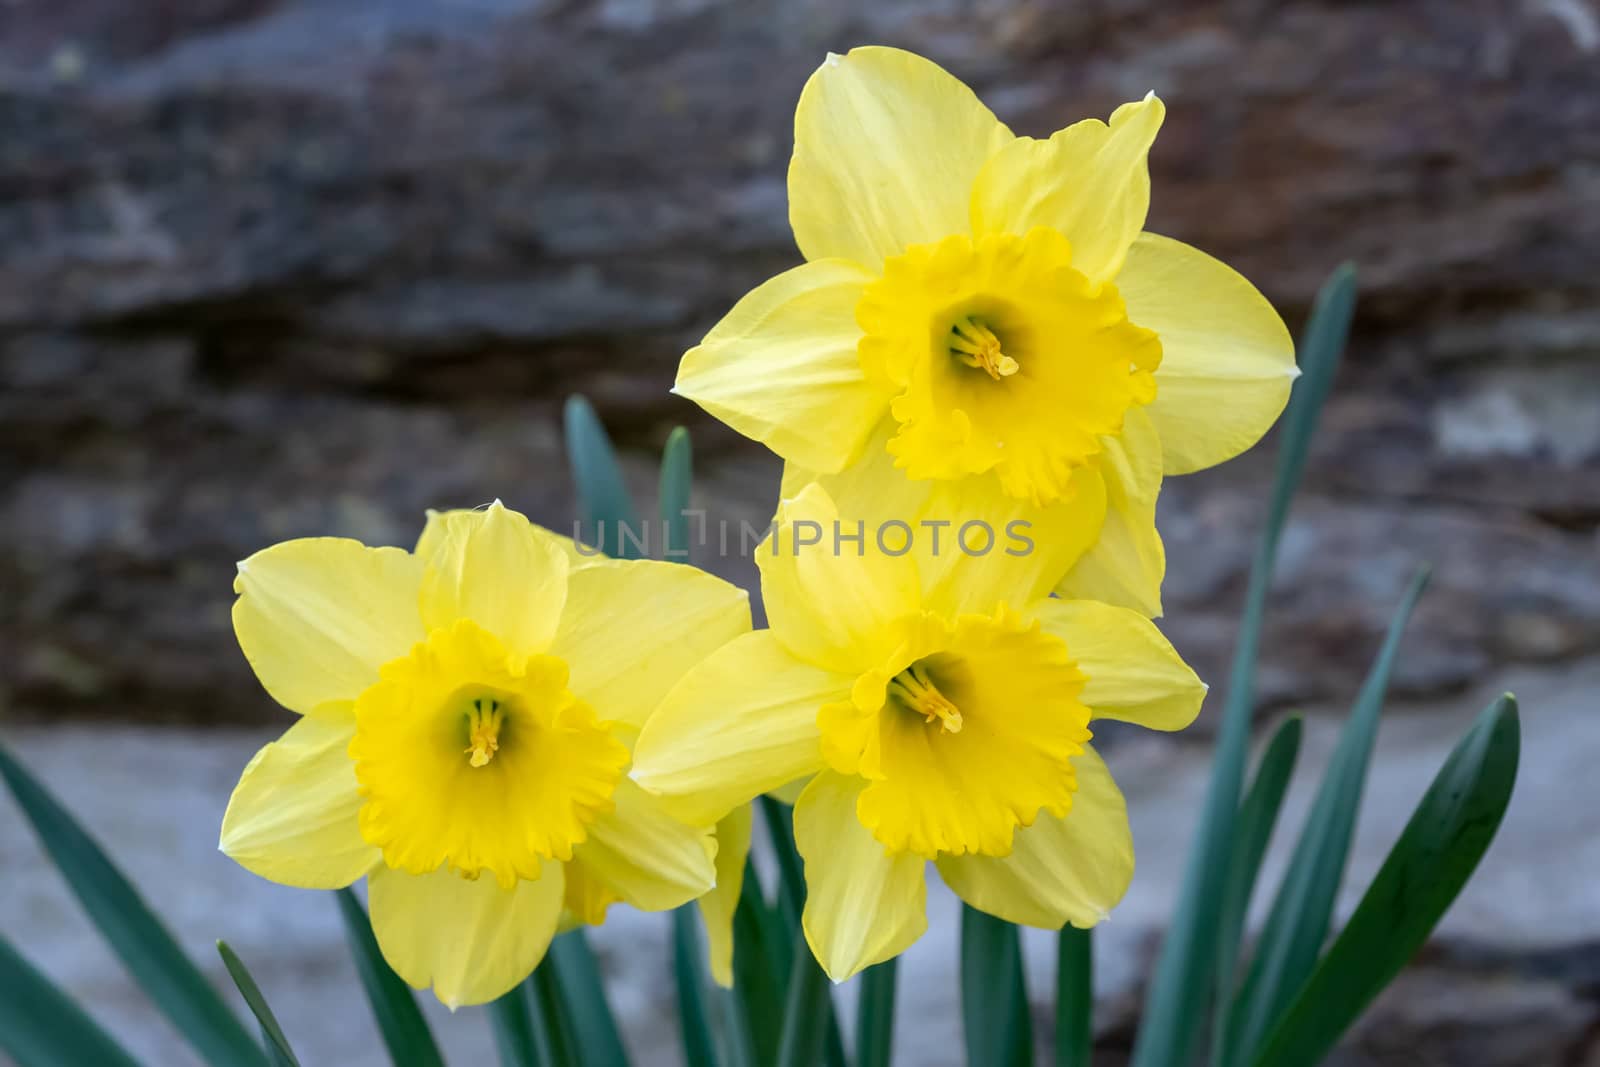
(1257, 817)
(1182, 984)
(807, 1013)
(677, 472)
(126, 922)
(694, 1019)
(514, 1035)
(277, 1044)
(551, 1017)
(1301, 912)
(779, 818)
(405, 1032)
(602, 494)
(577, 973)
(1074, 997)
(875, 1015)
(40, 1026)
(1437, 852)
(994, 993)
(761, 960)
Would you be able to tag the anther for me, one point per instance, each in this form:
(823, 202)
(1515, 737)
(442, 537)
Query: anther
(973, 343)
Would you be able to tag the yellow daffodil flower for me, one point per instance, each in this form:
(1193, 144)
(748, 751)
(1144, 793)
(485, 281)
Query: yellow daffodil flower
(939, 714)
(983, 331)
(467, 713)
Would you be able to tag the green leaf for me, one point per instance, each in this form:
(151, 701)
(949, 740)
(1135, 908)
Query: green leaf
(1183, 981)
(677, 472)
(779, 818)
(1257, 817)
(551, 1017)
(1298, 923)
(277, 1044)
(126, 922)
(514, 1035)
(875, 1015)
(694, 1021)
(994, 993)
(807, 1013)
(602, 494)
(1437, 852)
(577, 973)
(761, 960)
(1074, 997)
(40, 1026)
(405, 1032)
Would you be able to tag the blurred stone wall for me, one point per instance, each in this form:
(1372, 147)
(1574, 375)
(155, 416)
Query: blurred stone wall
(271, 268)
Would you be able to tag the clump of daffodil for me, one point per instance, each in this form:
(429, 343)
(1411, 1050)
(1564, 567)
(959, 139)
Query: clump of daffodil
(983, 330)
(467, 714)
(941, 711)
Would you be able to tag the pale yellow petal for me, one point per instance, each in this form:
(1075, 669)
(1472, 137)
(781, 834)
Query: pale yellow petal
(502, 572)
(999, 549)
(293, 816)
(1227, 359)
(1090, 181)
(887, 145)
(863, 906)
(782, 366)
(741, 722)
(317, 617)
(468, 939)
(829, 589)
(631, 629)
(1127, 562)
(1134, 674)
(973, 545)
(438, 522)
(1061, 870)
(650, 859)
(717, 907)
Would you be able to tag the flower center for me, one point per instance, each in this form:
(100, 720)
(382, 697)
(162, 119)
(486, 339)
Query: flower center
(973, 343)
(483, 730)
(470, 757)
(1067, 362)
(915, 690)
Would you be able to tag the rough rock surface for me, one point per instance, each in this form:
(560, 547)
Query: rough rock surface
(283, 267)
(1509, 981)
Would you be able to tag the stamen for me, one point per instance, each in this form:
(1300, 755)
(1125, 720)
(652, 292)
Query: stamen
(973, 343)
(483, 730)
(914, 688)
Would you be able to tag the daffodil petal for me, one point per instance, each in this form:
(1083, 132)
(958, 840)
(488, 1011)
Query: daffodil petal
(717, 907)
(1090, 181)
(650, 859)
(1072, 869)
(1227, 359)
(293, 816)
(1133, 672)
(974, 546)
(999, 549)
(1126, 564)
(468, 939)
(829, 589)
(887, 145)
(438, 522)
(741, 722)
(782, 368)
(317, 617)
(863, 905)
(502, 572)
(631, 629)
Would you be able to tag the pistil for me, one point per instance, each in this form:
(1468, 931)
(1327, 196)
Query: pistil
(483, 730)
(914, 688)
(973, 343)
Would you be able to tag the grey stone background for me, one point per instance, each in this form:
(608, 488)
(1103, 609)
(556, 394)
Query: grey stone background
(271, 268)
